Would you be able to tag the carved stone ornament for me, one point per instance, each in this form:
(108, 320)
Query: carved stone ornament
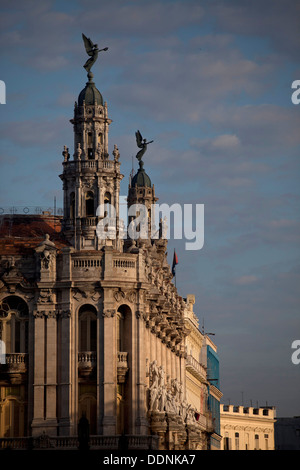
(45, 313)
(109, 313)
(78, 294)
(65, 313)
(46, 296)
(119, 295)
(47, 252)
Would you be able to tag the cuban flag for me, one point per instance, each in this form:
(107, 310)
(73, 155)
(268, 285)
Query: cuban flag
(175, 261)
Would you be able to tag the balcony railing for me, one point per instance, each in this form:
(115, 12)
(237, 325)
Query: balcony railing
(195, 368)
(14, 362)
(87, 361)
(122, 366)
(91, 164)
(96, 442)
(87, 358)
(16, 358)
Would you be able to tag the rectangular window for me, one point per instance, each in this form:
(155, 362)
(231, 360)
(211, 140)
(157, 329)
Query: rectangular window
(226, 443)
(237, 444)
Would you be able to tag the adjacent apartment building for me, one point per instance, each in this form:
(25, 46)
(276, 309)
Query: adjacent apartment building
(247, 428)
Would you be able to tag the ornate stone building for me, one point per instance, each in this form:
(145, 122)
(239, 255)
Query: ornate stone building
(94, 326)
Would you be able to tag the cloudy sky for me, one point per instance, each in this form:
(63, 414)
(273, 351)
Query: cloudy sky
(210, 83)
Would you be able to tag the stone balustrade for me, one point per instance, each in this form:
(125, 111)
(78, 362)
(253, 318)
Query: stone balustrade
(195, 368)
(96, 442)
(86, 165)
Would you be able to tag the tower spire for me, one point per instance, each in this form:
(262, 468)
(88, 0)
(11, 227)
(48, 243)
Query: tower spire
(92, 178)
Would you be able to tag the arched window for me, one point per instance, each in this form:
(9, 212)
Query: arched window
(89, 204)
(90, 146)
(14, 324)
(87, 328)
(107, 203)
(13, 414)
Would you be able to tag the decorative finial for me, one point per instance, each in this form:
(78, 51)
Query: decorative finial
(92, 50)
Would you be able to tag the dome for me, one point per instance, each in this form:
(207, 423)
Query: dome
(141, 179)
(90, 94)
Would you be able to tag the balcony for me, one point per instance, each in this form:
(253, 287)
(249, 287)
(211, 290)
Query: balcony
(14, 367)
(122, 366)
(90, 165)
(87, 361)
(195, 368)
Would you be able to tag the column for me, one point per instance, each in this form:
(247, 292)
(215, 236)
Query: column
(109, 373)
(141, 420)
(50, 372)
(66, 417)
(39, 372)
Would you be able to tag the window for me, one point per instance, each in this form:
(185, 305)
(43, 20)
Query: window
(247, 441)
(87, 328)
(226, 442)
(266, 436)
(256, 437)
(237, 441)
(107, 203)
(14, 411)
(14, 325)
(90, 146)
(89, 204)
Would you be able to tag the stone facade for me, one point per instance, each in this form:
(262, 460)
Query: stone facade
(95, 327)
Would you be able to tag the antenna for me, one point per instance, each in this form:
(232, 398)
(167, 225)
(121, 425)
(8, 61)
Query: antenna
(203, 330)
(131, 175)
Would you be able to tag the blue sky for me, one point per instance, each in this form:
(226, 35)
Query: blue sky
(210, 82)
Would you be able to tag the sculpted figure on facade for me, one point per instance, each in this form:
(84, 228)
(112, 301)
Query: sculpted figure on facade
(154, 388)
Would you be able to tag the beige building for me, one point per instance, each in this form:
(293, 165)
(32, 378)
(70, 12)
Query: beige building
(91, 323)
(247, 428)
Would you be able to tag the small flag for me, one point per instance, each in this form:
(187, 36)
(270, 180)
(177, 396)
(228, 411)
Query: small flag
(175, 261)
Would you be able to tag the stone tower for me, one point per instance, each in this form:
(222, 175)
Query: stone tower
(141, 192)
(91, 180)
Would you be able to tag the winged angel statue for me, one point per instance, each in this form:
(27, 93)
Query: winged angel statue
(92, 50)
(142, 144)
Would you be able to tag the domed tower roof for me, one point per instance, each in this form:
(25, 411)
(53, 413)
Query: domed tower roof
(141, 179)
(90, 94)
